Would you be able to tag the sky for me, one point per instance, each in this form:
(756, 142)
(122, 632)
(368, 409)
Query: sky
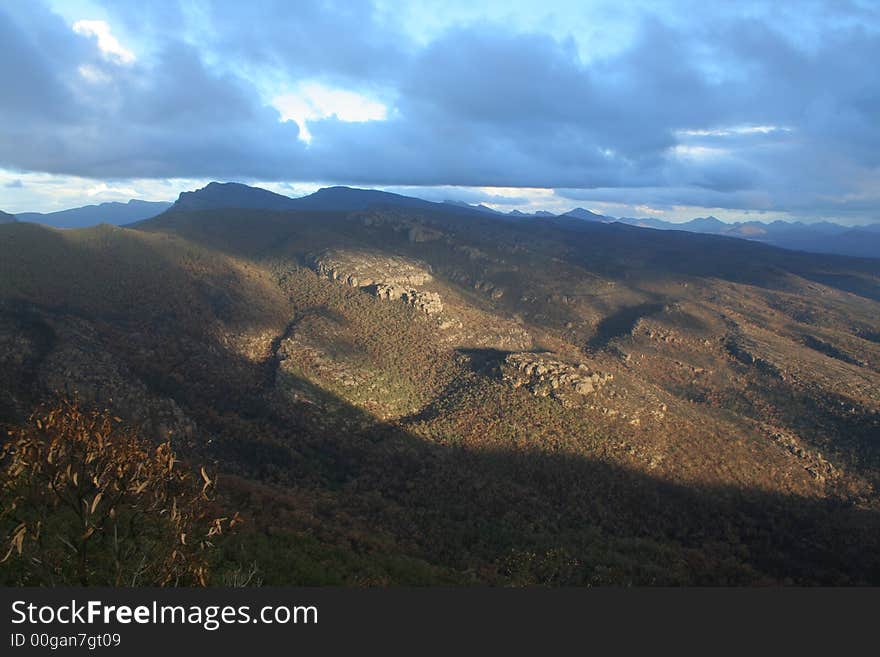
(743, 110)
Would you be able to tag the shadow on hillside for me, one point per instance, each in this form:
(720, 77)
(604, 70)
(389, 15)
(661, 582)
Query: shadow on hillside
(473, 509)
(501, 515)
(620, 323)
(487, 361)
(531, 515)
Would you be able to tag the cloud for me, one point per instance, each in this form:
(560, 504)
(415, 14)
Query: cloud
(107, 43)
(314, 101)
(753, 106)
(734, 130)
(14, 184)
(647, 209)
(486, 196)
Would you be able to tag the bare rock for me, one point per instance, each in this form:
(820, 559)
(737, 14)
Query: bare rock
(426, 302)
(359, 269)
(544, 376)
(385, 277)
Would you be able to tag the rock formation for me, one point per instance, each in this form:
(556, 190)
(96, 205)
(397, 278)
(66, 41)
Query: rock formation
(427, 302)
(385, 277)
(547, 376)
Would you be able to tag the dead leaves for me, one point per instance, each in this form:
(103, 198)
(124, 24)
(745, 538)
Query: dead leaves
(16, 541)
(103, 487)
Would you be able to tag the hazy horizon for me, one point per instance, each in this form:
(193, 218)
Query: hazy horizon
(436, 195)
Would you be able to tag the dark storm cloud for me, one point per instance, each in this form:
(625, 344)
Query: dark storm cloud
(32, 44)
(716, 110)
(341, 39)
(169, 117)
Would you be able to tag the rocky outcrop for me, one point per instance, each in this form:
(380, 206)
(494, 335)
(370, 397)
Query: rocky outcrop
(385, 277)
(420, 233)
(813, 461)
(545, 376)
(426, 302)
(661, 335)
(359, 269)
(740, 353)
(491, 289)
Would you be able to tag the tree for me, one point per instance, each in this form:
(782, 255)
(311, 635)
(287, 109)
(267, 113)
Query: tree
(87, 502)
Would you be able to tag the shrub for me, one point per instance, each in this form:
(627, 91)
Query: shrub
(86, 502)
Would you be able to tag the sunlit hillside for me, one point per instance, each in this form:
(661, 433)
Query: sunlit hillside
(399, 395)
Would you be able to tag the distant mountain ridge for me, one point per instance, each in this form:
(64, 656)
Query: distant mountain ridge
(114, 213)
(820, 237)
(481, 207)
(588, 215)
(340, 199)
(823, 237)
(6, 218)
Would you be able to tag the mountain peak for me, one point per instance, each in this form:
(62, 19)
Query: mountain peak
(353, 199)
(583, 213)
(702, 223)
(231, 195)
(469, 206)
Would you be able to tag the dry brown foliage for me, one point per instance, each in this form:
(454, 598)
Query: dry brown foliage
(88, 502)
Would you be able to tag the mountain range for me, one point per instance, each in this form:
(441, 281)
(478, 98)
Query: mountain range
(822, 237)
(345, 199)
(819, 237)
(113, 213)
